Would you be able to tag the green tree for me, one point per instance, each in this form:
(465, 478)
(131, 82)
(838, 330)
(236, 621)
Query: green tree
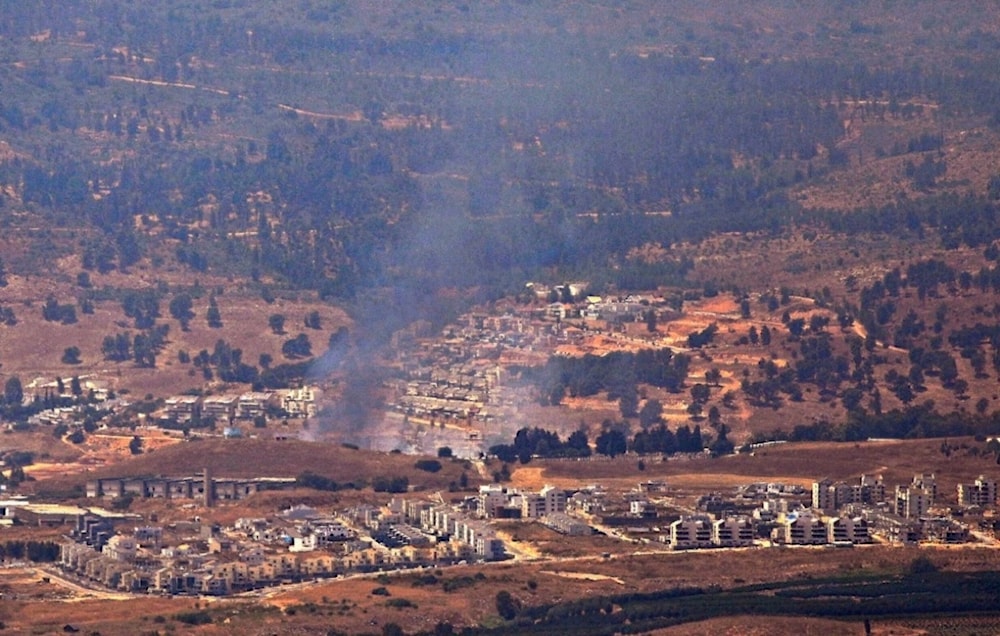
(135, 445)
(181, 309)
(212, 315)
(13, 392)
(277, 323)
(765, 335)
(611, 443)
(700, 393)
(507, 605)
(71, 355)
(628, 403)
(713, 376)
(650, 414)
(651, 321)
(297, 347)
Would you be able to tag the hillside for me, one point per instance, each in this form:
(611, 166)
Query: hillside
(261, 458)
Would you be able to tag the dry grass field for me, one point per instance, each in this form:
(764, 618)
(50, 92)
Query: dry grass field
(32, 606)
(248, 458)
(33, 347)
(802, 463)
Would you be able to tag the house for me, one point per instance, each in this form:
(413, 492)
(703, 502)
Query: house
(183, 408)
(120, 548)
(300, 402)
(254, 403)
(911, 501)
(802, 528)
(565, 524)
(982, 492)
(732, 532)
(842, 530)
(691, 532)
(221, 408)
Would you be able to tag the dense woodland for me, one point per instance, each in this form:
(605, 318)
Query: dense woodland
(384, 160)
(435, 158)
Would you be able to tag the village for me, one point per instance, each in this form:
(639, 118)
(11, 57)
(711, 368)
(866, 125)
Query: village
(460, 380)
(131, 553)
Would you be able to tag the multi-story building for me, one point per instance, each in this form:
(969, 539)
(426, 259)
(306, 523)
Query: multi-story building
(928, 484)
(250, 405)
(691, 532)
(823, 495)
(802, 528)
(532, 506)
(300, 402)
(830, 496)
(912, 501)
(840, 530)
(982, 492)
(732, 532)
(221, 408)
(555, 499)
(183, 408)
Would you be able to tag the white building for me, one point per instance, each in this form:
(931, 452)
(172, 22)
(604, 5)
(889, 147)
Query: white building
(802, 528)
(983, 493)
(300, 402)
(120, 548)
(732, 532)
(691, 532)
(912, 502)
(841, 530)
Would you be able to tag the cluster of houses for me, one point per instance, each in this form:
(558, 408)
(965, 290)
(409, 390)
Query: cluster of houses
(302, 543)
(461, 392)
(458, 373)
(298, 544)
(906, 514)
(226, 408)
(549, 506)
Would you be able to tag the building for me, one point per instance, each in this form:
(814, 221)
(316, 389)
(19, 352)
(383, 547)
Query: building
(691, 532)
(555, 499)
(912, 502)
(566, 524)
(254, 403)
(732, 532)
(183, 408)
(50, 515)
(841, 530)
(221, 408)
(532, 506)
(982, 493)
(830, 496)
(120, 548)
(490, 500)
(802, 528)
(823, 495)
(928, 484)
(300, 402)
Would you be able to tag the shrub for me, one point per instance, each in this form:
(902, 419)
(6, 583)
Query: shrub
(194, 618)
(429, 465)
